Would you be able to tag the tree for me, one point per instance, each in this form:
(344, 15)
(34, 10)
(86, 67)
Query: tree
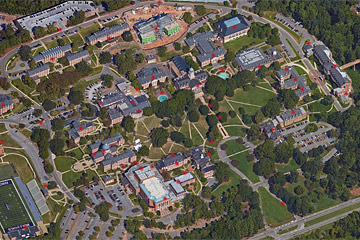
(83, 68)
(264, 167)
(311, 127)
(76, 97)
(78, 18)
(49, 168)
(214, 105)
(25, 53)
(229, 56)
(193, 116)
(204, 110)
(177, 46)
(232, 113)
(105, 57)
(159, 136)
(188, 143)
(161, 51)
(56, 146)
(259, 117)
(57, 124)
(128, 124)
(177, 137)
(288, 98)
(207, 192)
(327, 100)
(200, 10)
(148, 111)
(144, 151)
(187, 17)
(60, 42)
(32, 63)
(127, 36)
(103, 210)
(108, 80)
(221, 116)
(222, 172)
(299, 190)
(211, 120)
(293, 176)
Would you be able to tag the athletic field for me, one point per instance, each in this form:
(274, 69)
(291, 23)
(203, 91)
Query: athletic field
(13, 213)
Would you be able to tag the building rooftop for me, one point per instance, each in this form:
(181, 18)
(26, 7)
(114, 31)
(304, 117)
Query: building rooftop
(107, 31)
(180, 63)
(52, 52)
(155, 189)
(77, 55)
(199, 157)
(117, 137)
(37, 70)
(209, 36)
(149, 74)
(184, 178)
(7, 100)
(232, 25)
(208, 50)
(170, 160)
(190, 80)
(293, 113)
(274, 54)
(176, 187)
(111, 159)
(251, 58)
(270, 129)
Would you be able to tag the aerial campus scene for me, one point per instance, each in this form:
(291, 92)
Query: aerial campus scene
(206, 119)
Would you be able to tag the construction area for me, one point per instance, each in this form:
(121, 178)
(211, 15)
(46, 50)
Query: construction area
(157, 25)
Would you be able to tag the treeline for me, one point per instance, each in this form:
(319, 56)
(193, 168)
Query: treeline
(345, 228)
(331, 21)
(242, 218)
(78, 18)
(10, 38)
(26, 7)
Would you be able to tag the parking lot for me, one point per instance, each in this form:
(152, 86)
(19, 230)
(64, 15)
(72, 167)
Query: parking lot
(290, 23)
(92, 90)
(115, 195)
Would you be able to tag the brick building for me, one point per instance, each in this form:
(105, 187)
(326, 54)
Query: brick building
(107, 33)
(79, 130)
(6, 103)
(232, 28)
(201, 161)
(77, 57)
(172, 161)
(52, 54)
(151, 75)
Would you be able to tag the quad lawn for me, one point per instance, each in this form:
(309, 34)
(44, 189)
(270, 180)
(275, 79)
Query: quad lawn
(21, 166)
(234, 180)
(235, 131)
(254, 95)
(177, 148)
(318, 107)
(196, 137)
(8, 141)
(275, 214)
(70, 177)
(152, 122)
(202, 126)
(54, 43)
(140, 129)
(185, 129)
(64, 163)
(242, 42)
(287, 167)
(75, 38)
(245, 166)
(233, 147)
(89, 30)
(250, 110)
(78, 153)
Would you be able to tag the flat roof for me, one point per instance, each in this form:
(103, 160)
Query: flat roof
(155, 189)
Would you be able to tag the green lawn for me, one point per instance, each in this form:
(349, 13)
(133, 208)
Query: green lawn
(7, 171)
(75, 38)
(333, 214)
(21, 86)
(96, 70)
(250, 110)
(196, 138)
(300, 70)
(54, 43)
(234, 180)
(8, 141)
(235, 131)
(27, 133)
(234, 147)
(202, 126)
(64, 163)
(21, 166)
(242, 42)
(78, 153)
(318, 107)
(152, 122)
(2, 127)
(246, 167)
(275, 213)
(70, 177)
(89, 30)
(185, 129)
(254, 95)
(287, 167)
(82, 84)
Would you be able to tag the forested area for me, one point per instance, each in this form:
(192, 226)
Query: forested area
(330, 21)
(26, 7)
(10, 38)
(242, 218)
(346, 228)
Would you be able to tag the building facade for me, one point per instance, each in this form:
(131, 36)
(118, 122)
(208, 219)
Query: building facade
(232, 28)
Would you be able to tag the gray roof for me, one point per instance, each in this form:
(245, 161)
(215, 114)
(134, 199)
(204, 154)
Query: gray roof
(107, 31)
(290, 114)
(198, 155)
(114, 113)
(111, 159)
(282, 73)
(191, 42)
(339, 77)
(303, 91)
(170, 160)
(108, 140)
(185, 81)
(274, 54)
(251, 58)
(22, 233)
(177, 188)
(52, 52)
(77, 55)
(7, 100)
(37, 70)
(323, 53)
(270, 130)
(232, 25)
(107, 178)
(180, 63)
(208, 50)
(149, 74)
(76, 125)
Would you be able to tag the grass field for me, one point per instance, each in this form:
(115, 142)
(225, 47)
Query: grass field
(287, 167)
(64, 163)
(246, 167)
(12, 210)
(54, 43)
(299, 70)
(8, 141)
(7, 171)
(235, 131)
(275, 214)
(318, 107)
(287, 230)
(83, 84)
(242, 42)
(333, 214)
(234, 180)
(20, 85)
(78, 153)
(70, 177)
(21, 166)
(234, 147)
(2, 127)
(254, 95)
(89, 30)
(75, 38)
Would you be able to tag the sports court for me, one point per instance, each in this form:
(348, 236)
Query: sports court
(13, 213)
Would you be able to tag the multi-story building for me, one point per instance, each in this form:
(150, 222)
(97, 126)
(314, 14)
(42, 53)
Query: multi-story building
(40, 71)
(58, 15)
(178, 66)
(340, 78)
(77, 57)
(172, 161)
(232, 28)
(108, 179)
(124, 105)
(116, 140)
(79, 130)
(193, 80)
(209, 53)
(107, 33)
(252, 59)
(270, 130)
(6, 103)
(150, 75)
(115, 161)
(291, 116)
(52, 54)
(155, 28)
(201, 161)
(290, 79)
